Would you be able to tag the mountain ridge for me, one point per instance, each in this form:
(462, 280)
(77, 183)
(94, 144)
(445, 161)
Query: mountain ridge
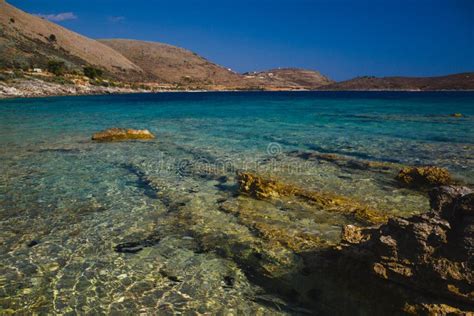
(457, 81)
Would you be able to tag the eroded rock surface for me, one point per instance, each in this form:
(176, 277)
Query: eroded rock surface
(118, 134)
(430, 254)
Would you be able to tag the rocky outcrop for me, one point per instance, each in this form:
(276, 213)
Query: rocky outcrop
(431, 256)
(419, 265)
(119, 134)
(424, 177)
(266, 188)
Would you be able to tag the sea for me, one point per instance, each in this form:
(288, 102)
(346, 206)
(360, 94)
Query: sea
(161, 226)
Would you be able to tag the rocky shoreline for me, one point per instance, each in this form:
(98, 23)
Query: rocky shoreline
(425, 262)
(32, 88)
(422, 264)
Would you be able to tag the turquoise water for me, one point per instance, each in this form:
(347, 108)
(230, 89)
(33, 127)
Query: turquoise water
(67, 202)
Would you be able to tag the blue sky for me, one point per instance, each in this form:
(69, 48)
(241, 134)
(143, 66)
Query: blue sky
(340, 38)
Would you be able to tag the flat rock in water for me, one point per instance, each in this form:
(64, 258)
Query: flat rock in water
(119, 134)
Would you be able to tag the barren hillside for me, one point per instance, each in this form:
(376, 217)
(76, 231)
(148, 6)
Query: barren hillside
(171, 64)
(290, 78)
(30, 41)
(463, 81)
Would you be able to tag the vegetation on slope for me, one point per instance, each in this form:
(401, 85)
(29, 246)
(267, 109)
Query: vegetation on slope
(27, 41)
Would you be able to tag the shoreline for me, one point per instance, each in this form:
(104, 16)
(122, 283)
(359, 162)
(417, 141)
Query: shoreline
(27, 89)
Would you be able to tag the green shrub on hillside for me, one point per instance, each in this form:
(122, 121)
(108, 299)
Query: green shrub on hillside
(20, 64)
(61, 80)
(92, 72)
(18, 73)
(10, 75)
(56, 67)
(102, 83)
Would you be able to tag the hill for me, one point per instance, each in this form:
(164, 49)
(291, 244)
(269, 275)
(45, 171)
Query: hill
(28, 41)
(462, 81)
(292, 78)
(170, 64)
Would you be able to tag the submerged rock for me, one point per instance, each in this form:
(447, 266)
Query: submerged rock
(261, 188)
(137, 246)
(266, 188)
(422, 177)
(129, 247)
(431, 254)
(346, 161)
(32, 243)
(117, 134)
(273, 228)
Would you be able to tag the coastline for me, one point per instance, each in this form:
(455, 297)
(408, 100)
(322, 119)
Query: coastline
(25, 89)
(34, 88)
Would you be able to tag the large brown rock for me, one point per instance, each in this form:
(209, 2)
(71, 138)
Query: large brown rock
(118, 134)
(431, 254)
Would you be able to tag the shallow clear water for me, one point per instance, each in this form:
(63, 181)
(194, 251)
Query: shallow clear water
(67, 202)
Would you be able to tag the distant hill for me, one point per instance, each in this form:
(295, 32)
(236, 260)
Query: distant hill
(462, 81)
(290, 78)
(170, 64)
(27, 41)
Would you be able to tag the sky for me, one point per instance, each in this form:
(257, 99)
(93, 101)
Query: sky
(340, 38)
